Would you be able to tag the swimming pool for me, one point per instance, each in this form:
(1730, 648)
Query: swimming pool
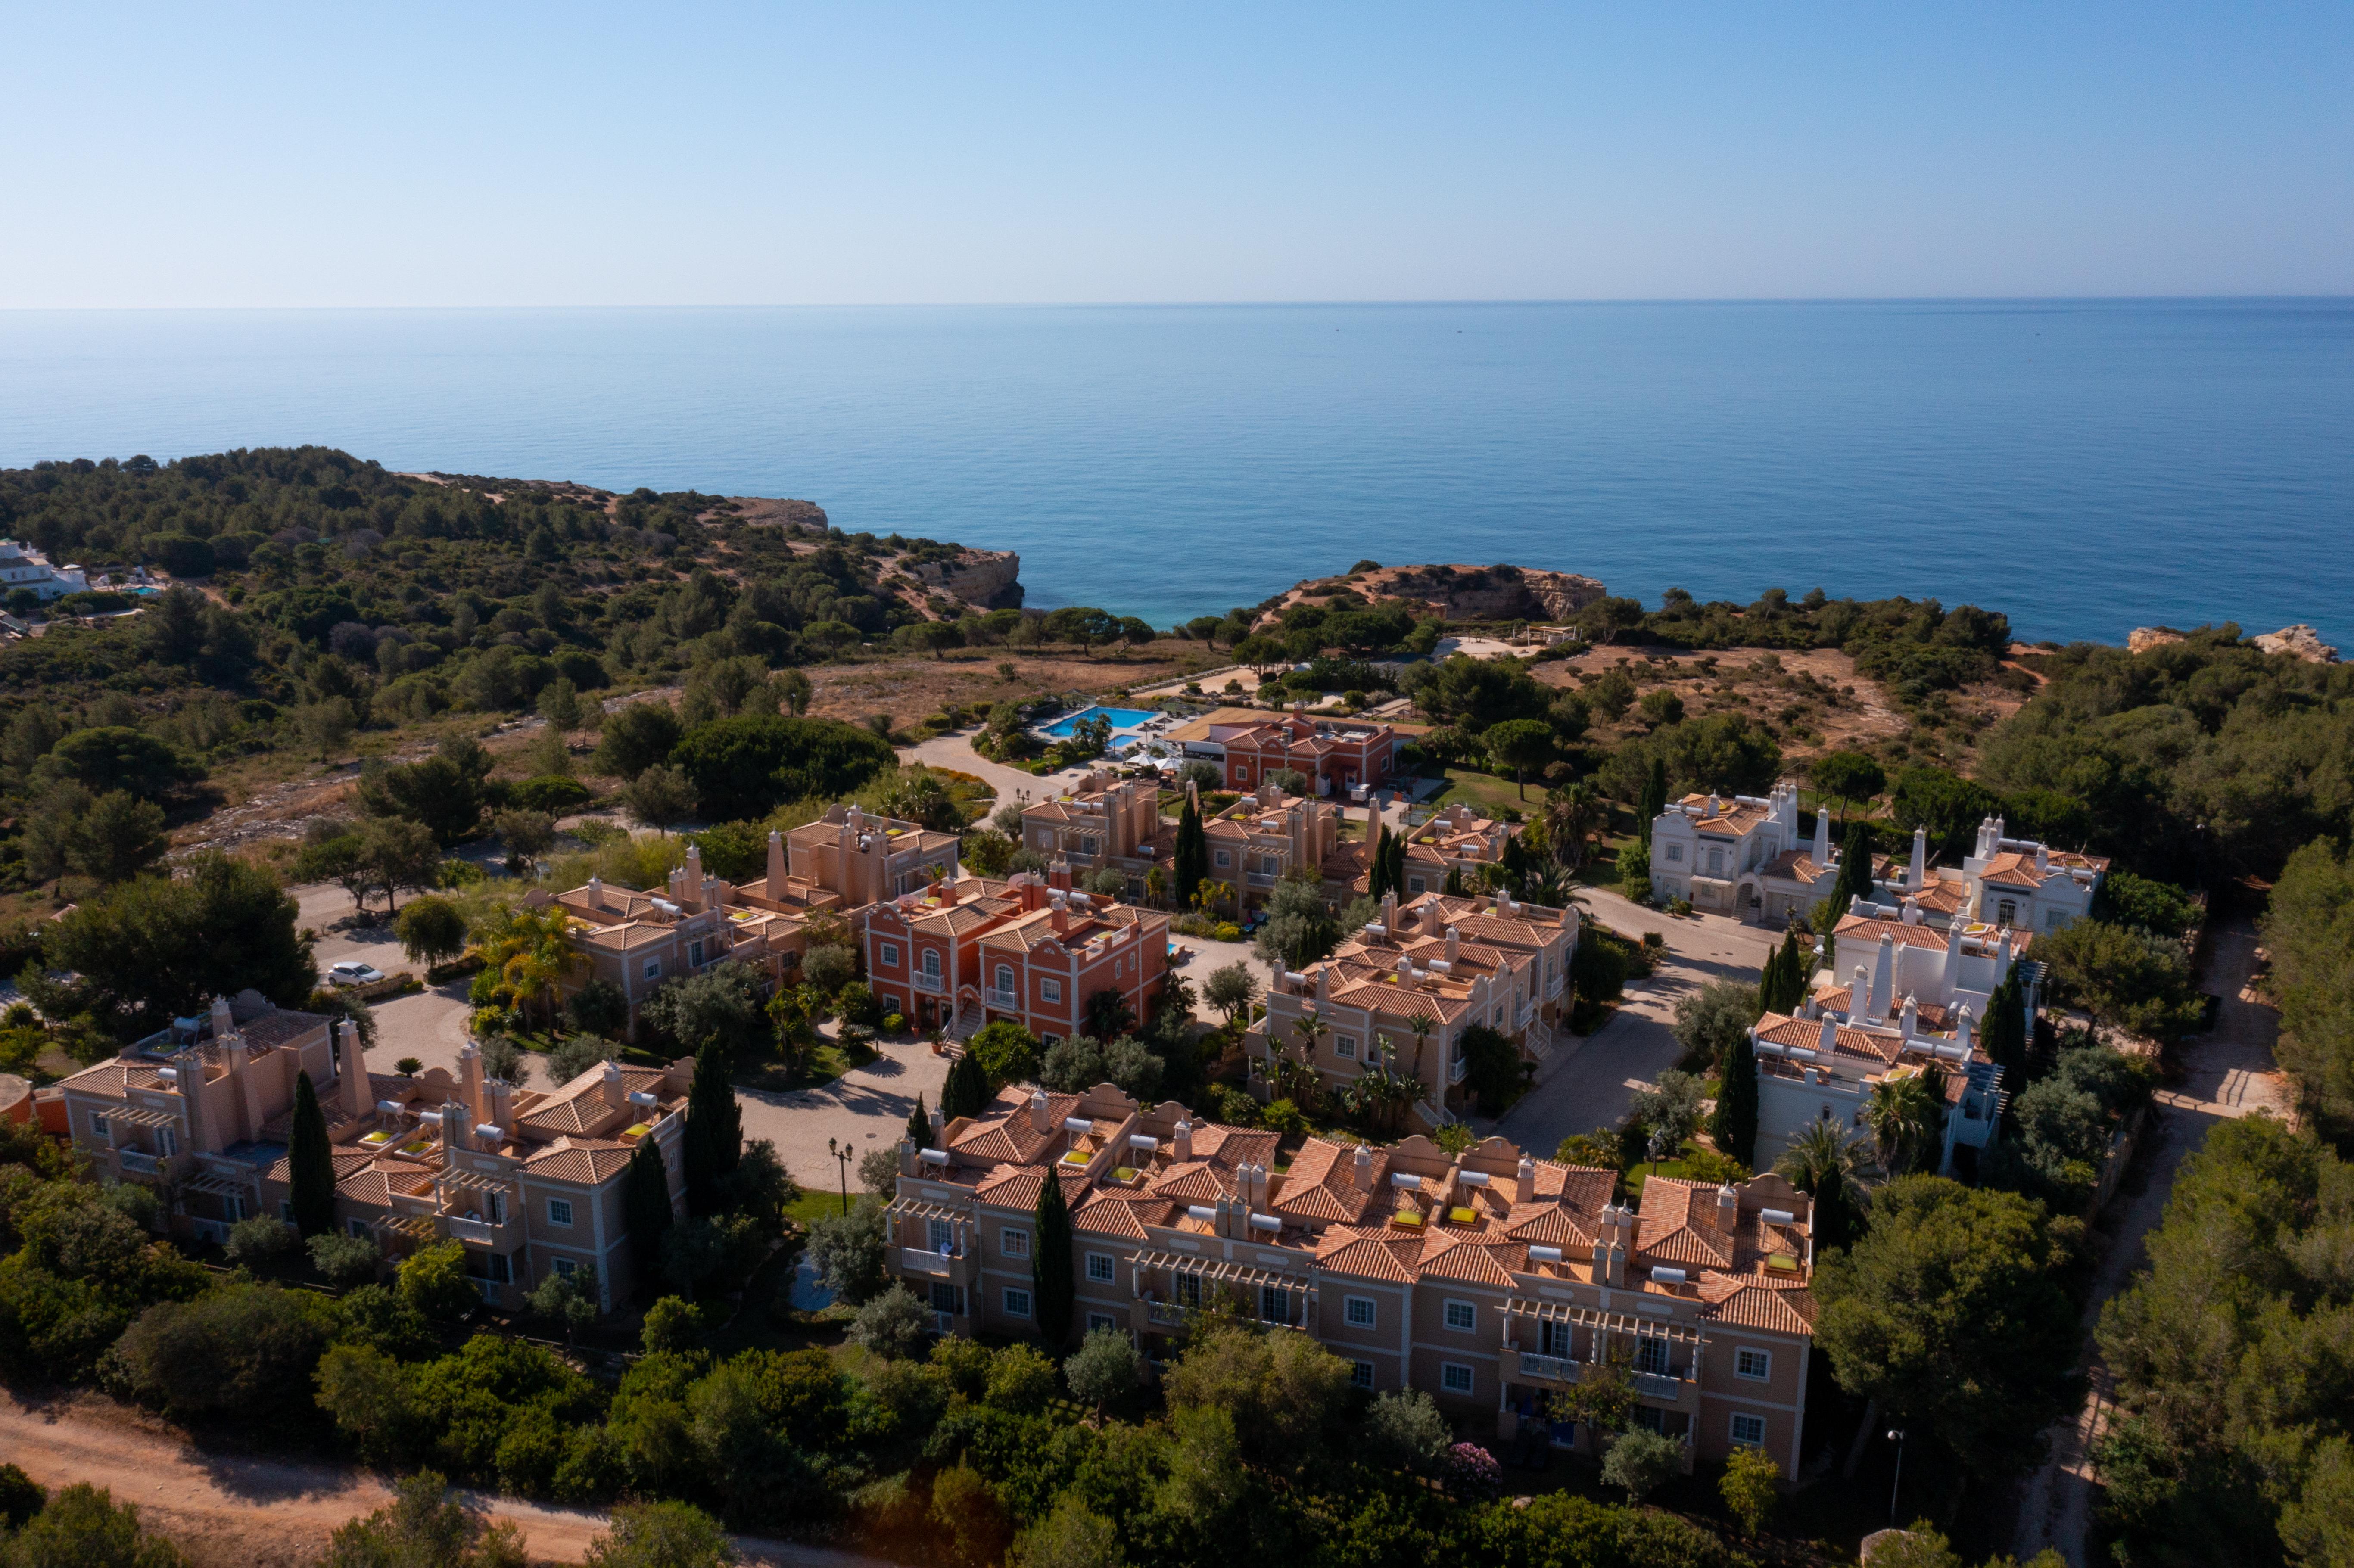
(1121, 719)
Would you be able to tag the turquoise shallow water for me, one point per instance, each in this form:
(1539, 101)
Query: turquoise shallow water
(2087, 467)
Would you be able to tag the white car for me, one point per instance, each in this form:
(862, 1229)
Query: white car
(351, 972)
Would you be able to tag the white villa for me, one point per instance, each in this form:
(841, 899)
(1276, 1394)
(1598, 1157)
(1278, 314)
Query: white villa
(23, 567)
(1742, 855)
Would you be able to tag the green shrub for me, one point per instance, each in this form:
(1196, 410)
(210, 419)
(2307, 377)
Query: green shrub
(550, 792)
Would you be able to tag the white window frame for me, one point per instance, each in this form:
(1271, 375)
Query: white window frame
(1675, 855)
(356, 1228)
(100, 1126)
(1449, 1372)
(1013, 1241)
(1225, 861)
(1742, 1418)
(1345, 1047)
(890, 955)
(1004, 979)
(1100, 1320)
(565, 1268)
(1470, 1312)
(1360, 1374)
(1016, 1301)
(1102, 1269)
(1051, 990)
(1353, 1305)
(559, 1212)
(1745, 1356)
(653, 968)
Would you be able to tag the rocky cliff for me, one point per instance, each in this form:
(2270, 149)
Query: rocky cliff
(2300, 641)
(988, 579)
(1462, 592)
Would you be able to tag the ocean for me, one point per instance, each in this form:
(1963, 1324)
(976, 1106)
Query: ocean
(2086, 466)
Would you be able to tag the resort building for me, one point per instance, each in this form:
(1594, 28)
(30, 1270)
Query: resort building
(1105, 824)
(965, 953)
(638, 942)
(1259, 837)
(1742, 855)
(530, 1183)
(1401, 993)
(2028, 886)
(27, 568)
(1336, 756)
(867, 858)
(1491, 1280)
(1456, 840)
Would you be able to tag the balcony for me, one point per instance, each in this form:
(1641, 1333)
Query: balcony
(936, 984)
(931, 1265)
(1456, 1069)
(1667, 1388)
(135, 1162)
(1168, 1314)
(1001, 997)
(499, 1236)
(1553, 1369)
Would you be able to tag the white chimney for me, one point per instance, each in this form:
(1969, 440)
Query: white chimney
(1728, 1208)
(1911, 1019)
(1524, 1181)
(1453, 942)
(776, 865)
(1042, 1117)
(1962, 1022)
(1181, 1147)
(1363, 1167)
(2042, 858)
(1827, 1040)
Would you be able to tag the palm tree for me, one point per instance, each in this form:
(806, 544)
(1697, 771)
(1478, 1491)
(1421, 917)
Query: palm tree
(528, 950)
(1822, 1149)
(1421, 1024)
(1901, 1112)
(1571, 815)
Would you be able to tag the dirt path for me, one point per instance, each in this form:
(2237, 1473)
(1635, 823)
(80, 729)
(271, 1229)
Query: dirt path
(240, 1511)
(2230, 1072)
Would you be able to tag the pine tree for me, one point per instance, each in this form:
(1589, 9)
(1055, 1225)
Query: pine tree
(715, 1130)
(1050, 1265)
(919, 1127)
(1734, 1123)
(646, 1207)
(311, 1164)
(1190, 858)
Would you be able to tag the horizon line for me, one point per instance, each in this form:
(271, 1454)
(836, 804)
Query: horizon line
(1397, 304)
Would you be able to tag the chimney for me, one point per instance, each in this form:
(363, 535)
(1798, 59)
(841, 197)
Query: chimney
(595, 893)
(223, 1025)
(695, 888)
(1962, 1022)
(1910, 1020)
(1728, 1208)
(1827, 1040)
(1883, 977)
(1524, 1181)
(1912, 911)
(1058, 875)
(470, 1079)
(1042, 1119)
(1406, 970)
(1181, 1148)
(1859, 995)
(1453, 942)
(1362, 1167)
(2042, 858)
(351, 1070)
(609, 1085)
(1324, 982)
(1918, 872)
(1389, 914)
(1822, 851)
(457, 1130)
(1058, 917)
(776, 889)
(501, 1094)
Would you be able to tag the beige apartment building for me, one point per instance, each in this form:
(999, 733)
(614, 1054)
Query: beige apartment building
(1259, 837)
(1493, 1281)
(530, 1183)
(866, 858)
(1104, 823)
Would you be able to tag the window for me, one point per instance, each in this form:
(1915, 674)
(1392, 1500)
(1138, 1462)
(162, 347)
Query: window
(98, 1127)
(559, 1211)
(1017, 1302)
(1651, 1355)
(1675, 855)
(1275, 1304)
(2051, 919)
(1360, 1374)
(1015, 1241)
(1098, 1321)
(286, 1210)
(1749, 1432)
(940, 1233)
(1005, 976)
(1088, 846)
(889, 957)
(932, 962)
(1416, 885)
(1553, 1339)
(1360, 1312)
(653, 968)
(2006, 912)
(1716, 862)
(1345, 1047)
(890, 1003)
(1753, 1363)
(1099, 1267)
(1225, 860)
(1462, 1316)
(167, 1141)
(694, 954)
(565, 1268)
(1187, 1287)
(1051, 990)
(1455, 1377)
(944, 1299)
(358, 1228)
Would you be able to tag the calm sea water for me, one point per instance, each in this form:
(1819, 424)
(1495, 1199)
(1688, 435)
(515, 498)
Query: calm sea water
(2087, 467)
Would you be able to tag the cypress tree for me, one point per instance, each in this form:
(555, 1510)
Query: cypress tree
(715, 1130)
(311, 1164)
(1050, 1264)
(965, 1090)
(1190, 859)
(2002, 1034)
(1734, 1123)
(645, 1207)
(1855, 868)
(1834, 1219)
(1653, 799)
(1377, 864)
(1455, 888)
(919, 1127)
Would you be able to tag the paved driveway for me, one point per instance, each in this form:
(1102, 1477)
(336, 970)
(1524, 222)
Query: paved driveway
(1587, 1084)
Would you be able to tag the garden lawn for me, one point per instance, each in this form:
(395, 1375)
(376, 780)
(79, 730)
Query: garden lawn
(1487, 791)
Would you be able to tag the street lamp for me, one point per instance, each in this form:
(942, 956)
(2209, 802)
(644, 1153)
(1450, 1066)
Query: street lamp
(1896, 1437)
(841, 1153)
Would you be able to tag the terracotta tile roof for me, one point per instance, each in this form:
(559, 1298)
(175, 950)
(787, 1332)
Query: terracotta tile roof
(1676, 1225)
(114, 1079)
(1865, 931)
(1003, 1134)
(1122, 1214)
(1867, 1044)
(1321, 1186)
(1942, 896)
(1369, 1255)
(2013, 869)
(282, 1026)
(1797, 866)
(1746, 1304)
(1018, 1186)
(1450, 1254)
(583, 1160)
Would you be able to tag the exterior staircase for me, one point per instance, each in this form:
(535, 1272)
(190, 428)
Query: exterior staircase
(965, 1025)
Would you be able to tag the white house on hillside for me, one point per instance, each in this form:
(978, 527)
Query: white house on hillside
(2027, 885)
(1742, 855)
(22, 567)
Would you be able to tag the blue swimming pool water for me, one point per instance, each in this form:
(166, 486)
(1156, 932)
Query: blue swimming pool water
(1121, 719)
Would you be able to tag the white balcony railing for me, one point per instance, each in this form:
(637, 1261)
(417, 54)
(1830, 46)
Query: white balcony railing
(916, 1260)
(1659, 1385)
(482, 1232)
(930, 982)
(1558, 1369)
(138, 1162)
(1001, 997)
(1456, 1069)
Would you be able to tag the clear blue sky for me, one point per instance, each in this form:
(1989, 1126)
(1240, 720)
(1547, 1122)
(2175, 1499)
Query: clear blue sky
(506, 154)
